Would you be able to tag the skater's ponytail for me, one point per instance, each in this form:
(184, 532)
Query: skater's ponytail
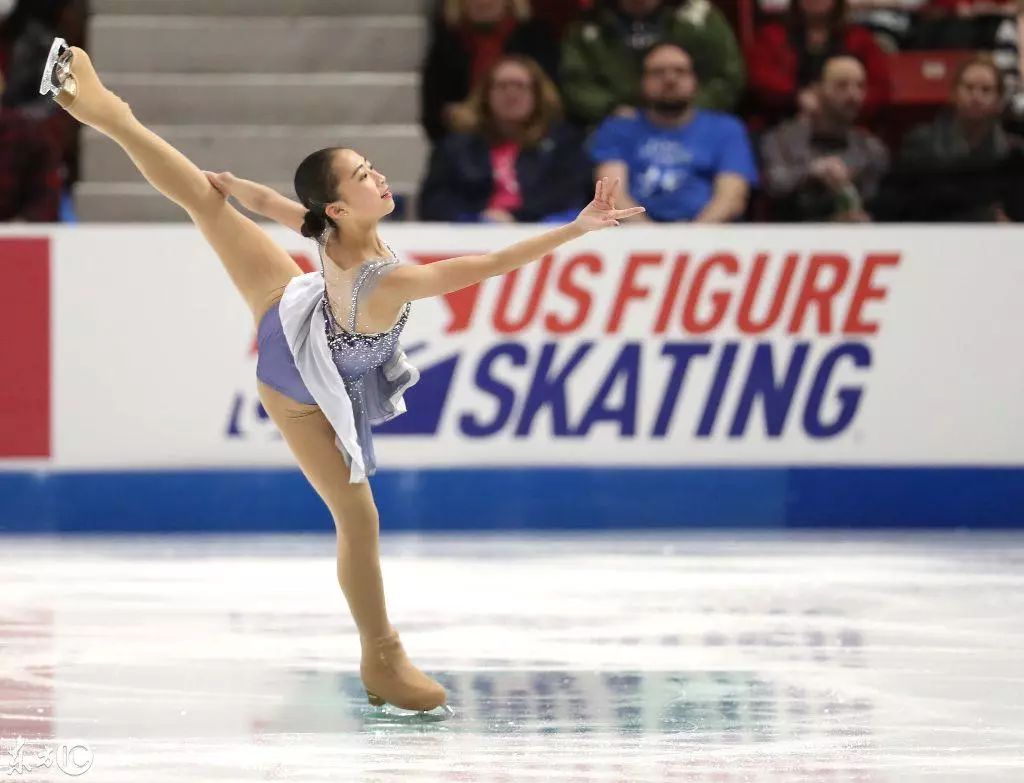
(316, 185)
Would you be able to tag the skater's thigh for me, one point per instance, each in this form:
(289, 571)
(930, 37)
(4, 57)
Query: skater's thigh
(258, 266)
(310, 436)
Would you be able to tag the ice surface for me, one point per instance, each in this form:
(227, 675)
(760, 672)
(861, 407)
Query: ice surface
(641, 658)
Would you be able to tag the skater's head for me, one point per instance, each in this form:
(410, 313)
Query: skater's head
(338, 185)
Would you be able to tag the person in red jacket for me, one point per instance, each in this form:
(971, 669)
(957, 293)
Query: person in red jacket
(786, 58)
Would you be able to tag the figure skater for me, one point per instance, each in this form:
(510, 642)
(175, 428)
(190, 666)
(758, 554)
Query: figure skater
(329, 361)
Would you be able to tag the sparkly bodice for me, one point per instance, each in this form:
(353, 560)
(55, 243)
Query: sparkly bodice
(358, 354)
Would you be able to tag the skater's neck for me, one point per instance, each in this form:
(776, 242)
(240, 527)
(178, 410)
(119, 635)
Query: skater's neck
(355, 243)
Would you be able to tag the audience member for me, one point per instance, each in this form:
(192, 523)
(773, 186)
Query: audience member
(601, 55)
(468, 39)
(513, 158)
(820, 167)
(681, 162)
(29, 169)
(25, 38)
(559, 14)
(786, 58)
(962, 166)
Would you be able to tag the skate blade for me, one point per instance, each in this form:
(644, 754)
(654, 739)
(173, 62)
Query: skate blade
(51, 82)
(392, 715)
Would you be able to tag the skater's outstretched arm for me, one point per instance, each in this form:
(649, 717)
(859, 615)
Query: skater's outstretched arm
(420, 282)
(260, 199)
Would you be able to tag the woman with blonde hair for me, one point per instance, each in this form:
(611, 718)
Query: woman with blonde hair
(330, 364)
(468, 38)
(512, 158)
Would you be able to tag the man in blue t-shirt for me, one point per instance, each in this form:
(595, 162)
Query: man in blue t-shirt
(680, 162)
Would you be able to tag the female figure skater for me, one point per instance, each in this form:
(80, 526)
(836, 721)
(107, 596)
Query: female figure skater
(329, 362)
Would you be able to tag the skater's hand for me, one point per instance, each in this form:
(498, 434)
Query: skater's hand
(223, 182)
(601, 212)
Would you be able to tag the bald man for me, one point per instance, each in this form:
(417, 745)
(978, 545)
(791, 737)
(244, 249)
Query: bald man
(820, 166)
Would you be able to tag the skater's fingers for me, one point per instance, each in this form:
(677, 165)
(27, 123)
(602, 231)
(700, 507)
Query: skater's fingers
(219, 182)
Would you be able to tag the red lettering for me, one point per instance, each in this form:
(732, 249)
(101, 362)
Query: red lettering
(821, 296)
(719, 299)
(502, 322)
(865, 292)
(581, 296)
(675, 284)
(628, 288)
(745, 318)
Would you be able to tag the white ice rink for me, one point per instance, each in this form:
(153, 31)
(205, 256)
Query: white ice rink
(669, 658)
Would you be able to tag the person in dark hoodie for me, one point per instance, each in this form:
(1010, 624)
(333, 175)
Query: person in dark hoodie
(602, 55)
(962, 166)
(468, 39)
(25, 36)
(513, 159)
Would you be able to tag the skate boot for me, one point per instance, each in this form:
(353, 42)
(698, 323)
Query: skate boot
(389, 677)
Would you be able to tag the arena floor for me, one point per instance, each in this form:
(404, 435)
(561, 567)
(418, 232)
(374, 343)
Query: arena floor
(682, 658)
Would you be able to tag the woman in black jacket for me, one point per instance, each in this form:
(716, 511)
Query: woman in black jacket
(468, 38)
(513, 159)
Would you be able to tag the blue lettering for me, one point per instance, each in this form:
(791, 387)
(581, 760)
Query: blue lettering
(627, 366)
(681, 353)
(761, 383)
(714, 400)
(505, 396)
(849, 397)
(550, 391)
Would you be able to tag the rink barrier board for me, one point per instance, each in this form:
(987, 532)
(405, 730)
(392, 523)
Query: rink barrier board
(560, 498)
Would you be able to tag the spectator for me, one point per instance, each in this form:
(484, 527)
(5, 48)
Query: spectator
(558, 14)
(679, 161)
(961, 166)
(29, 169)
(467, 41)
(513, 159)
(786, 58)
(601, 56)
(25, 38)
(819, 166)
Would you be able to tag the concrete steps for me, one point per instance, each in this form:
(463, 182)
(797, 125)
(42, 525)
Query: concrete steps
(271, 99)
(110, 202)
(267, 154)
(190, 44)
(259, 7)
(254, 86)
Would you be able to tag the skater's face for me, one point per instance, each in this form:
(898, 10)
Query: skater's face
(978, 95)
(484, 11)
(363, 191)
(512, 93)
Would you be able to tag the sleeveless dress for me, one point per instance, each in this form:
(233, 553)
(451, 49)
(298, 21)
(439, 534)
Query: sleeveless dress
(357, 379)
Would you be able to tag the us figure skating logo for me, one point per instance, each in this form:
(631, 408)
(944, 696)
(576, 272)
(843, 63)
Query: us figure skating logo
(642, 354)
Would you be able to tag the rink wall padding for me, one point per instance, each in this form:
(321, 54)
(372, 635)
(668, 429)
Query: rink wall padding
(521, 499)
(748, 376)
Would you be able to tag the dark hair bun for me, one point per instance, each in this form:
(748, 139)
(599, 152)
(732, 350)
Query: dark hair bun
(315, 223)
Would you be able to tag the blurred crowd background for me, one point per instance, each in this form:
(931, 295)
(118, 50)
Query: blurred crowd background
(736, 110)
